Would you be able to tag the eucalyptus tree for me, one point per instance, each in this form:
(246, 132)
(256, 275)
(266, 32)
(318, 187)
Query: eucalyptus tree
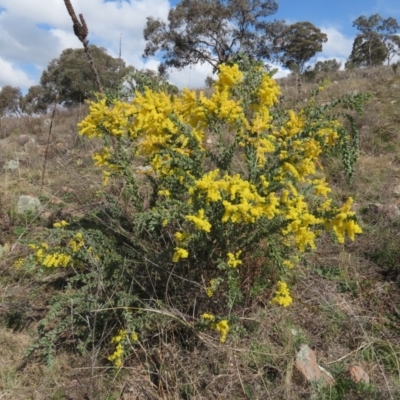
(210, 31)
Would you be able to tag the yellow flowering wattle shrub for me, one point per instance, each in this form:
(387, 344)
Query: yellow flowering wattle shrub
(210, 184)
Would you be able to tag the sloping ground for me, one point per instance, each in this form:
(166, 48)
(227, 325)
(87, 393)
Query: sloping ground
(347, 297)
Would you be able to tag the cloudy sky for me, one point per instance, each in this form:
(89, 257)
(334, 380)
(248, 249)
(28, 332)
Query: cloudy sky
(32, 33)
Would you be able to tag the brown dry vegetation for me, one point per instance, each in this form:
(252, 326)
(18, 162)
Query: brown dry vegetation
(347, 297)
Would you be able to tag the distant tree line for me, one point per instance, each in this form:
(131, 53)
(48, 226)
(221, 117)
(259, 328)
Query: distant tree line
(204, 31)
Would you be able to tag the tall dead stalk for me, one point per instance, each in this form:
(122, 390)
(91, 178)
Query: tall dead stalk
(81, 31)
(48, 143)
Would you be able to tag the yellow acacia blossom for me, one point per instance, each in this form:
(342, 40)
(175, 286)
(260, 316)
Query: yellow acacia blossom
(102, 157)
(164, 192)
(211, 288)
(282, 295)
(233, 259)
(77, 242)
(19, 262)
(343, 223)
(228, 76)
(117, 356)
(180, 236)
(223, 328)
(60, 224)
(179, 254)
(208, 317)
(56, 259)
(199, 220)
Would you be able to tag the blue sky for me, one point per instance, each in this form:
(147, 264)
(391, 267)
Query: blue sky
(34, 33)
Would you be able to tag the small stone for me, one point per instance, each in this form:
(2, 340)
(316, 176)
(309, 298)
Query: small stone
(144, 168)
(335, 82)
(358, 374)
(307, 368)
(46, 214)
(389, 210)
(22, 139)
(11, 165)
(396, 190)
(46, 122)
(4, 250)
(28, 204)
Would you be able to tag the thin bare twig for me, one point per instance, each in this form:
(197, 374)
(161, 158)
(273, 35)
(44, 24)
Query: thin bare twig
(48, 142)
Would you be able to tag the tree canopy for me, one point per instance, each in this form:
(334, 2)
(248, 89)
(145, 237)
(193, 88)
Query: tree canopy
(10, 100)
(376, 42)
(210, 31)
(71, 76)
(297, 43)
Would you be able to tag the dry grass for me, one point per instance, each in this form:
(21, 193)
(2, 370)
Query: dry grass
(346, 297)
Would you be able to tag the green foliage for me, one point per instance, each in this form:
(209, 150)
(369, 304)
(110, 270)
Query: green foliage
(71, 77)
(298, 43)
(387, 257)
(34, 102)
(322, 68)
(376, 42)
(10, 100)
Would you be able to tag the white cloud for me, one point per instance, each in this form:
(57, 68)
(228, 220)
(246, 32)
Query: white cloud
(192, 77)
(22, 42)
(12, 75)
(338, 45)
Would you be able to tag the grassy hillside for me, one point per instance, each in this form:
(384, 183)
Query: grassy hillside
(346, 297)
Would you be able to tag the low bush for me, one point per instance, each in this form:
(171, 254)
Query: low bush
(212, 202)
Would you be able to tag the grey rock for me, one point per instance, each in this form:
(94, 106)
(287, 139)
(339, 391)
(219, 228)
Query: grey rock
(11, 165)
(358, 374)
(388, 210)
(306, 369)
(28, 204)
(46, 122)
(4, 250)
(396, 190)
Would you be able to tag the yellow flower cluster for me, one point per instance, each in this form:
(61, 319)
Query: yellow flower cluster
(211, 288)
(19, 262)
(300, 222)
(60, 224)
(282, 295)
(50, 259)
(223, 328)
(233, 259)
(228, 76)
(56, 260)
(179, 254)
(118, 354)
(102, 158)
(117, 357)
(77, 242)
(240, 198)
(208, 317)
(344, 223)
(57, 256)
(199, 220)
